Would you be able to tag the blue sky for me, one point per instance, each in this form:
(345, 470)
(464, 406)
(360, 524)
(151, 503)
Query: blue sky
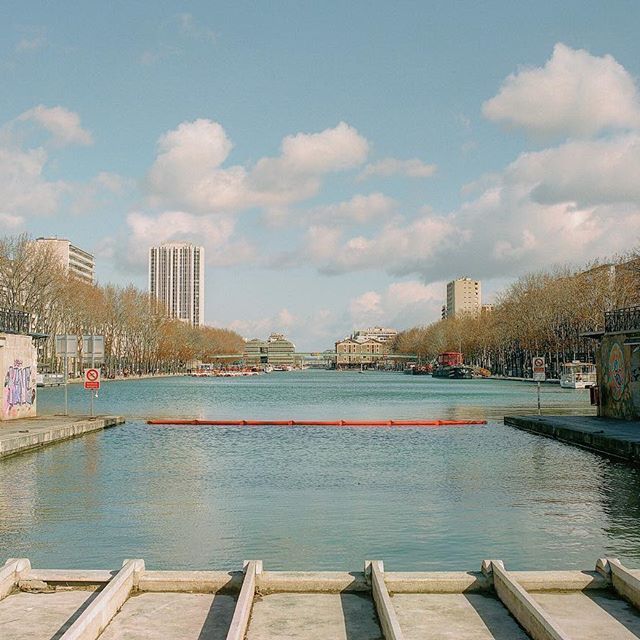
(339, 161)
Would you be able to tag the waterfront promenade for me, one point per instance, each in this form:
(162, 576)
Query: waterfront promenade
(17, 436)
(257, 604)
(619, 439)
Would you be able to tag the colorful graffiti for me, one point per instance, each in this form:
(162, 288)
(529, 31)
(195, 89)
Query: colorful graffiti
(617, 373)
(18, 386)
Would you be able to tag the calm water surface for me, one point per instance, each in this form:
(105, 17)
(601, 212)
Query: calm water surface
(312, 497)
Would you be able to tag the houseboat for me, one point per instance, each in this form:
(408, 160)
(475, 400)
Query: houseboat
(450, 365)
(578, 375)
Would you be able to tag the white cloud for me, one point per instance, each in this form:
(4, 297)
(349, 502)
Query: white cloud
(24, 190)
(574, 94)
(216, 234)
(360, 209)
(63, 124)
(33, 39)
(282, 322)
(564, 204)
(8, 221)
(402, 304)
(413, 168)
(188, 172)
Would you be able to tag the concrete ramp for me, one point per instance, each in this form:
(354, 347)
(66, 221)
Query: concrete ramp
(41, 616)
(133, 603)
(309, 616)
(172, 616)
(592, 615)
(455, 616)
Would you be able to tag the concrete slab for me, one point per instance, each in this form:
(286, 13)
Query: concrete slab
(172, 616)
(296, 616)
(41, 616)
(448, 616)
(617, 438)
(17, 436)
(593, 615)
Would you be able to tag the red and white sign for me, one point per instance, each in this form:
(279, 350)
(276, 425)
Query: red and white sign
(538, 369)
(92, 378)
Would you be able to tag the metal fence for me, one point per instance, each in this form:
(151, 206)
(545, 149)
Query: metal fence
(622, 319)
(12, 321)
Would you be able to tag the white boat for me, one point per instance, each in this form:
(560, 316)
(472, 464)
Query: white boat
(578, 375)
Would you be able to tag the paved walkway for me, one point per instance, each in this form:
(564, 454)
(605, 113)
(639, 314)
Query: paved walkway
(616, 438)
(29, 433)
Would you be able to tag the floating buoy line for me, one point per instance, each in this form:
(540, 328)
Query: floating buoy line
(314, 423)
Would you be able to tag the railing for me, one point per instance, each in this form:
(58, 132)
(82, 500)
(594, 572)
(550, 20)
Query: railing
(12, 321)
(622, 319)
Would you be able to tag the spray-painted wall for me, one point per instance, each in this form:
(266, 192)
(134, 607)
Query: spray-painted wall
(619, 378)
(18, 362)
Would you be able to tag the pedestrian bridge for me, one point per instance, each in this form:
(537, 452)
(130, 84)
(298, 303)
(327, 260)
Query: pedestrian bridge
(134, 602)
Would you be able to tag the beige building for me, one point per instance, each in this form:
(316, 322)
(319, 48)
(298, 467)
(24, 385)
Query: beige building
(76, 262)
(356, 352)
(176, 280)
(464, 297)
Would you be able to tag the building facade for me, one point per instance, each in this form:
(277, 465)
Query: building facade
(464, 297)
(382, 334)
(77, 263)
(276, 351)
(176, 280)
(356, 352)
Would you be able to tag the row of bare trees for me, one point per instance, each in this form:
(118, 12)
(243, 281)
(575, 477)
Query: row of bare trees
(540, 314)
(138, 337)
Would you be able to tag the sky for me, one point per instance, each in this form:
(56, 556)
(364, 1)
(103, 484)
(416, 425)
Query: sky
(339, 161)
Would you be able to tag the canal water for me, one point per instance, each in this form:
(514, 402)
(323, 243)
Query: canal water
(314, 497)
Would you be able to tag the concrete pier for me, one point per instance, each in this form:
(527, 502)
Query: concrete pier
(21, 435)
(616, 438)
(133, 603)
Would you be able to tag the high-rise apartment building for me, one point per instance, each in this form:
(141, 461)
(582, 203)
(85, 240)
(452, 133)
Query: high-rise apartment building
(76, 262)
(464, 297)
(176, 280)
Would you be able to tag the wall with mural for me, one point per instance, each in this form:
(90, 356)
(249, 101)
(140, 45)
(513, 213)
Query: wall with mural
(619, 378)
(18, 375)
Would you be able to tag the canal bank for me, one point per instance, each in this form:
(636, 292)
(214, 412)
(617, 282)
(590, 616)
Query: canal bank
(619, 439)
(22, 435)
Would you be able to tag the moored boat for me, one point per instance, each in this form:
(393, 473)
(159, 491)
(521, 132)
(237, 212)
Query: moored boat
(578, 375)
(450, 365)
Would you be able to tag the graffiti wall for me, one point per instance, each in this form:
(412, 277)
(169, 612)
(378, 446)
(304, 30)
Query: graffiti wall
(619, 378)
(18, 376)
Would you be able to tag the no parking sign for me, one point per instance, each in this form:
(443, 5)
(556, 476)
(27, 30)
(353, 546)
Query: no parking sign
(539, 374)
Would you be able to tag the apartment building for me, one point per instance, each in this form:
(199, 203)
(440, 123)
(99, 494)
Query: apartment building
(176, 280)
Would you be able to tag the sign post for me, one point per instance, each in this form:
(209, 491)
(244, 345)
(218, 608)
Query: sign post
(66, 347)
(92, 382)
(93, 350)
(539, 374)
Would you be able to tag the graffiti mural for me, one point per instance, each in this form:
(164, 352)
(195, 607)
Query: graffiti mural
(18, 387)
(616, 389)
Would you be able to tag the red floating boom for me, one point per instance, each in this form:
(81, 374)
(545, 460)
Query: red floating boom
(318, 423)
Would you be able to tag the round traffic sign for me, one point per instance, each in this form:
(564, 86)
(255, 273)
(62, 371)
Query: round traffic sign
(538, 362)
(92, 375)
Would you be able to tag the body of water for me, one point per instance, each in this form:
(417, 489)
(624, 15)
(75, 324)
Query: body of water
(314, 497)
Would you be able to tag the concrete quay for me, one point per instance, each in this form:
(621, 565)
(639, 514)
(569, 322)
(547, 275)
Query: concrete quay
(17, 436)
(133, 603)
(618, 439)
